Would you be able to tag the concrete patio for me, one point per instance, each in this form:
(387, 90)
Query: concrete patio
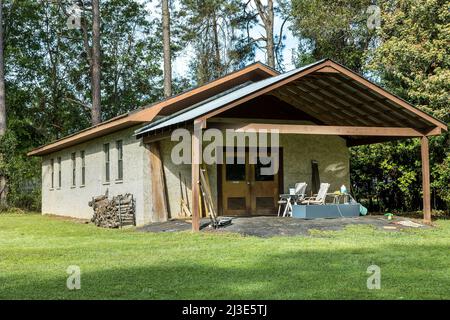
(265, 226)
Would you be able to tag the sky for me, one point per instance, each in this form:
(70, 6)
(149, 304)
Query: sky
(181, 64)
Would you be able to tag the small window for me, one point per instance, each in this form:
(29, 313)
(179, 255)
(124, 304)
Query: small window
(107, 162)
(119, 146)
(59, 173)
(52, 164)
(74, 169)
(83, 169)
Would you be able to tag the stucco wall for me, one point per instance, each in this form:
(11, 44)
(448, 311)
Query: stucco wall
(298, 151)
(73, 201)
(331, 153)
(171, 173)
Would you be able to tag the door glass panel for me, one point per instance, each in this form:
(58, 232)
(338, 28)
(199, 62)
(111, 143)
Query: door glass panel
(258, 175)
(235, 168)
(235, 172)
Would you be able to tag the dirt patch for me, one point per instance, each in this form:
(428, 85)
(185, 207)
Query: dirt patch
(65, 218)
(277, 226)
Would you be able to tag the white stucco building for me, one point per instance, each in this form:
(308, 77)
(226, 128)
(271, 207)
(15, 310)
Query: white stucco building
(319, 110)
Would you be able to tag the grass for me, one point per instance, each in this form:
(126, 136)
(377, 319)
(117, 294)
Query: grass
(35, 252)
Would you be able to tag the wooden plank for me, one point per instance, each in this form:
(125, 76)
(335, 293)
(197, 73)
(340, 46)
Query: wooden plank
(307, 108)
(263, 91)
(195, 167)
(326, 107)
(159, 199)
(350, 109)
(331, 130)
(388, 95)
(327, 70)
(426, 179)
(366, 98)
(434, 132)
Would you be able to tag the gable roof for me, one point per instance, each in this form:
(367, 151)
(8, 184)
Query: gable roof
(388, 102)
(254, 72)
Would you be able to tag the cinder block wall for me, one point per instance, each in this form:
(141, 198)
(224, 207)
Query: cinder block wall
(73, 200)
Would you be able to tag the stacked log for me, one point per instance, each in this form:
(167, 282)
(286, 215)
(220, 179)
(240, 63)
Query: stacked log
(113, 213)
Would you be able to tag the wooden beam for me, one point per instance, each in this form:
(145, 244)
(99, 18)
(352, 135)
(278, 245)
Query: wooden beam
(195, 167)
(264, 90)
(351, 108)
(325, 109)
(434, 132)
(426, 179)
(388, 95)
(370, 100)
(305, 107)
(331, 130)
(159, 200)
(327, 70)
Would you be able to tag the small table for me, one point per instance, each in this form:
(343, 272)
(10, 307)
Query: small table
(345, 197)
(290, 198)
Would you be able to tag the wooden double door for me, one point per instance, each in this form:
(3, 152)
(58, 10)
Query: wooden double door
(246, 188)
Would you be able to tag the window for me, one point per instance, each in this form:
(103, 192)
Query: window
(119, 146)
(83, 169)
(59, 173)
(74, 169)
(107, 164)
(52, 164)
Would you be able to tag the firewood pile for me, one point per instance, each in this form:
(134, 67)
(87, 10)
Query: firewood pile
(113, 213)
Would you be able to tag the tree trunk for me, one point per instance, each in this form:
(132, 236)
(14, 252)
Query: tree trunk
(217, 60)
(166, 49)
(267, 16)
(3, 185)
(269, 33)
(95, 72)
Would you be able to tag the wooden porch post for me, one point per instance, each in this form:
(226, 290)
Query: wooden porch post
(426, 179)
(196, 156)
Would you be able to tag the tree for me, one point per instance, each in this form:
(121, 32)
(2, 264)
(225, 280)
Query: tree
(266, 14)
(2, 103)
(413, 61)
(333, 29)
(262, 16)
(167, 51)
(95, 68)
(216, 31)
(48, 78)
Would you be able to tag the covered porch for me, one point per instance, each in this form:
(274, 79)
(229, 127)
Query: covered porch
(322, 99)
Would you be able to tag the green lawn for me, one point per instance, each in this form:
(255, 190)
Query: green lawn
(35, 252)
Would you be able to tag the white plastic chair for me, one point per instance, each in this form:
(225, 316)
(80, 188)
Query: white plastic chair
(287, 199)
(320, 197)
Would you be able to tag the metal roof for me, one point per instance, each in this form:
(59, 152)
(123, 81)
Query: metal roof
(218, 101)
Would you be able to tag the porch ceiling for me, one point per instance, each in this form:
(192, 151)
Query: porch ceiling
(336, 99)
(325, 91)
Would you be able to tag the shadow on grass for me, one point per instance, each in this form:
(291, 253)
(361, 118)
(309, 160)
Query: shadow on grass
(407, 272)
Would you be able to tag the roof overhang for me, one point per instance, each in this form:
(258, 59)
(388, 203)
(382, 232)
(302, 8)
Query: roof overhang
(327, 91)
(252, 73)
